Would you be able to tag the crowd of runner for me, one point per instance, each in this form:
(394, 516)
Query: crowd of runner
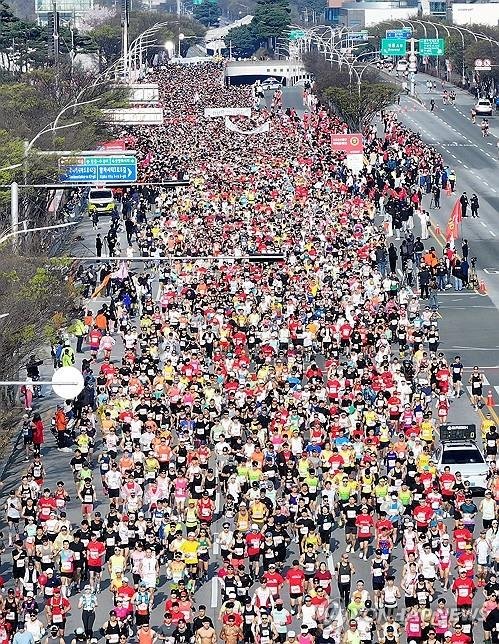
(267, 424)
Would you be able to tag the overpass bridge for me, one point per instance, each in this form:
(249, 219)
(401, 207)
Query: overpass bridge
(289, 72)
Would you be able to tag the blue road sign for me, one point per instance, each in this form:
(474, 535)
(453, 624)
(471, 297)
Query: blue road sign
(358, 36)
(399, 34)
(85, 169)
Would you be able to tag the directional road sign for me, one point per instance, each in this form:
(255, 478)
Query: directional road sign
(296, 34)
(393, 47)
(83, 169)
(399, 34)
(358, 36)
(431, 46)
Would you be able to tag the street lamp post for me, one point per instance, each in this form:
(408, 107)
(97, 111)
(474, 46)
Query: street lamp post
(14, 187)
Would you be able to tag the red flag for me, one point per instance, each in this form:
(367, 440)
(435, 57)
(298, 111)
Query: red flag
(453, 229)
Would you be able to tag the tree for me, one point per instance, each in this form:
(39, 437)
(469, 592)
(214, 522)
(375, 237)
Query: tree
(480, 50)
(243, 41)
(38, 298)
(271, 20)
(108, 41)
(356, 108)
(207, 13)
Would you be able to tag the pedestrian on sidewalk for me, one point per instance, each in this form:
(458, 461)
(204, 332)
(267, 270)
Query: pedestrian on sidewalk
(464, 201)
(433, 301)
(424, 282)
(474, 205)
(98, 245)
(436, 196)
(27, 391)
(464, 249)
(452, 180)
(38, 436)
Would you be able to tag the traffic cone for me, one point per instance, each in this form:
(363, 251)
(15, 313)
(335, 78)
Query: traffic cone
(490, 399)
(482, 289)
(437, 230)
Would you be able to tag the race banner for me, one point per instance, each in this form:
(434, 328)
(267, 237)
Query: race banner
(453, 229)
(211, 112)
(232, 127)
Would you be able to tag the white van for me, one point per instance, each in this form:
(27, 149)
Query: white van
(402, 65)
(101, 201)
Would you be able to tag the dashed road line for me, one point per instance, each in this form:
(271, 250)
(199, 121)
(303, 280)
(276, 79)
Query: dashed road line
(492, 233)
(483, 224)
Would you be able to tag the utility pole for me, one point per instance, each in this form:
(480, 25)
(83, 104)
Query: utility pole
(55, 35)
(14, 214)
(73, 49)
(125, 20)
(412, 59)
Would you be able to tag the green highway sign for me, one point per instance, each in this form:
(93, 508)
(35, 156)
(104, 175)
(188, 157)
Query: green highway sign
(296, 34)
(431, 47)
(393, 47)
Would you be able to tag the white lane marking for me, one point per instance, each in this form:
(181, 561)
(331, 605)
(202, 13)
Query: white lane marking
(492, 233)
(214, 592)
(464, 165)
(493, 190)
(483, 224)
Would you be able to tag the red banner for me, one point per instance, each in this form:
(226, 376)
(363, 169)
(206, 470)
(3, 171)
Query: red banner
(348, 143)
(453, 230)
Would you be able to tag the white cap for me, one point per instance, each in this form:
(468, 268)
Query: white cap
(254, 526)
(291, 634)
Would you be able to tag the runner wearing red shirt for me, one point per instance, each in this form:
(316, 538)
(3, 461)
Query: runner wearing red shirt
(254, 539)
(463, 589)
(345, 333)
(95, 556)
(274, 580)
(394, 408)
(459, 637)
(57, 607)
(46, 505)
(364, 523)
(462, 537)
(296, 580)
(423, 514)
(447, 483)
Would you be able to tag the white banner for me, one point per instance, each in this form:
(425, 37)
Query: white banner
(227, 111)
(229, 125)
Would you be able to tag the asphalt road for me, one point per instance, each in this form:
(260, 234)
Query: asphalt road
(454, 307)
(469, 321)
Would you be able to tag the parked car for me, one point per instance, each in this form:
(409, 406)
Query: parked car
(483, 107)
